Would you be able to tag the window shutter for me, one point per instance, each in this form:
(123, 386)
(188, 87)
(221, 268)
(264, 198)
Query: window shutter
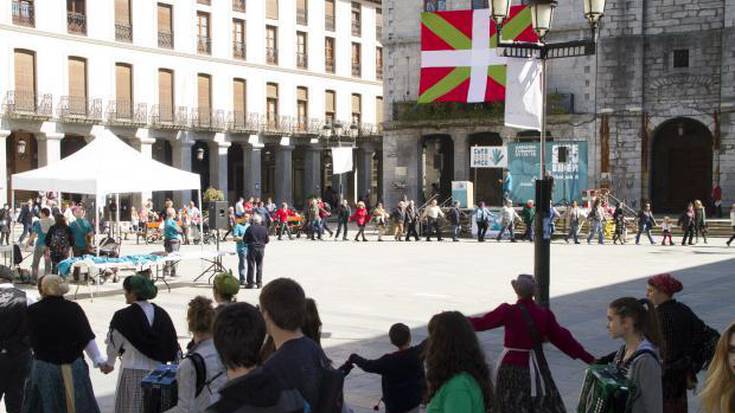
(123, 83)
(272, 91)
(238, 90)
(356, 104)
(204, 91)
(271, 9)
(166, 90)
(25, 68)
(330, 101)
(77, 77)
(329, 13)
(122, 11)
(164, 18)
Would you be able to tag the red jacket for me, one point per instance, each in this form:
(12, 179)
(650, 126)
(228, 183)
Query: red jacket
(517, 335)
(282, 216)
(361, 216)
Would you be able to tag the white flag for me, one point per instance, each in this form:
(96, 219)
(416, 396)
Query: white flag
(523, 97)
(341, 160)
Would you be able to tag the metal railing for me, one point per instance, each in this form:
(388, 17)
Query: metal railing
(356, 28)
(165, 40)
(123, 32)
(79, 107)
(242, 121)
(204, 44)
(302, 17)
(123, 111)
(206, 118)
(238, 6)
(329, 24)
(329, 65)
(23, 13)
(356, 70)
(271, 55)
(379, 72)
(238, 49)
(162, 115)
(76, 23)
(27, 102)
(302, 60)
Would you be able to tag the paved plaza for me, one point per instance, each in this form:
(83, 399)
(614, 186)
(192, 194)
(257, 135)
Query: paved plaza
(363, 288)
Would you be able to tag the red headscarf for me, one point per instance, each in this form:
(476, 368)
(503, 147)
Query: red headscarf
(666, 283)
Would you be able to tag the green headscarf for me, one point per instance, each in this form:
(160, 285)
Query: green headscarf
(226, 284)
(141, 286)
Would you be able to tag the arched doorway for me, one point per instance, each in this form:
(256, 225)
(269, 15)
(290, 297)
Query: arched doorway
(21, 150)
(437, 164)
(681, 164)
(487, 182)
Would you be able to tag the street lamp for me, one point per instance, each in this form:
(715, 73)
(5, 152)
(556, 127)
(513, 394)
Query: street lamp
(21, 147)
(542, 16)
(200, 154)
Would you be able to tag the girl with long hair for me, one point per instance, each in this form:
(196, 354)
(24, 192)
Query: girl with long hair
(635, 322)
(718, 394)
(458, 378)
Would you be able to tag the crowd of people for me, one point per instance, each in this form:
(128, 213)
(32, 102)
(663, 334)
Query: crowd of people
(268, 357)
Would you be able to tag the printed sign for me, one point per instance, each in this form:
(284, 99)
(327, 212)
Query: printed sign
(488, 157)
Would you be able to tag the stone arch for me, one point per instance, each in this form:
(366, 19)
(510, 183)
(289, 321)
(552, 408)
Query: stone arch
(20, 162)
(681, 164)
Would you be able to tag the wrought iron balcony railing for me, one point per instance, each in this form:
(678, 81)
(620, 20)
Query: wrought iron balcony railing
(356, 70)
(329, 24)
(239, 121)
(238, 50)
(204, 44)
(123, 32)
(123, 111)
(79, 108)
(302, 17)
(23, 13)
(379, 72)
(76, 23)
(238, 6)
(275, 124)
(162, 115)
(27, 103)
(165, 40)
(271, 55)
(206, 118)
(302, 60)
(356, 28)
(329, 65)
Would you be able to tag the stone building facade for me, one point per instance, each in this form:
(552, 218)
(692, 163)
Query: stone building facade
(656, 104)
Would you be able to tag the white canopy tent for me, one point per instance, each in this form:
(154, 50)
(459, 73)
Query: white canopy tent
(104, 167)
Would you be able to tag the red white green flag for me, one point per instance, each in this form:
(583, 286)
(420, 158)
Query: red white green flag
(459, 59)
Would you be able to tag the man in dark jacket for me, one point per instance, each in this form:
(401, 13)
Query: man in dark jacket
(239, 331)
(15, 350)
(256, 238)
(25, 218)
(528, 215)
(343, 216)
(403, 378)
(454, 215)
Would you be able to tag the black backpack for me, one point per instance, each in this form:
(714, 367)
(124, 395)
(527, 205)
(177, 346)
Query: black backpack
(331, 393)
(201, 372)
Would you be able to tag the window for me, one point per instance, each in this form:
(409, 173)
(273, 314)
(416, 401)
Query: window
(76, 17)
(356, 109)
(329, 54)
(239, 105)
(271, 105)
(271, 45)
(205, 2)
(166, 95)
(378, 24)
(271, 9)
(329, 15)
(435, 5)
(330, 103)
(238, 6)
(23, 13)
(479, 4)
(165, 26)
(379, 110)
(77, 86)
(204, 42)
(379, 63)
(301, 50)
(238, 39)
(302, 13)
(681, 58)
(356, 67)
(25, 81)
(204, 100)
(302, 108)
(123, 91)
(356, 19)
(123, 25)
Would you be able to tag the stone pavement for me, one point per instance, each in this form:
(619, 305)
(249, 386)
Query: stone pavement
(363, 288)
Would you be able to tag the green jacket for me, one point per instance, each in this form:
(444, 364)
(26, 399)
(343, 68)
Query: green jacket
(461, 394)
(528, 214)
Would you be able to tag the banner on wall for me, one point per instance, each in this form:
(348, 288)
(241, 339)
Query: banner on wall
(566, 161)
(488, 157)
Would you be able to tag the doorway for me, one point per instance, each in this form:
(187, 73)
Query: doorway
(437, 167)
(21, 150)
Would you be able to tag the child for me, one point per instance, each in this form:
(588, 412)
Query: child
(403, 371)
(666, 231)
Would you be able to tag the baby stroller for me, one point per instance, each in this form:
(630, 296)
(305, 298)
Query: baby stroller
(109, 247)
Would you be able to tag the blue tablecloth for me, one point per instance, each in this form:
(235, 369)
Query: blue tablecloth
(65, 266)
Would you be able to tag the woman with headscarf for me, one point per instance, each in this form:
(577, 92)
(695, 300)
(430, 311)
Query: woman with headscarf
(524, 382)
(224, 289)
(143, 337)
(682, 333)
(59, 333)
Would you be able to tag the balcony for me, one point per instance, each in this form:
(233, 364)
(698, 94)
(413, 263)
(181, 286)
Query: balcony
(329, 66)
(271, 123)
(165, 40)
(356, 28)
(24, 104)
(123, 112)
(307, 127)
(204, 44)
(329, 24)
(356, 70)
(207, 119)
(242, 122)
(79, 109)
(271, 55)
(76, 23)
(23, 13)
(123, 32)
(238, 6)
(302, 17)
(302, 60)
(238, 50)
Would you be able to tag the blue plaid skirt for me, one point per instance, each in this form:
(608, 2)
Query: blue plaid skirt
(45, 389)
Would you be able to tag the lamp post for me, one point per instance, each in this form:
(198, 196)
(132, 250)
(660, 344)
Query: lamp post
(542, 16)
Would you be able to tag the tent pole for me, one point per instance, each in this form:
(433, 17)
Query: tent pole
(96, 224)
(201, 219)
(117, 214)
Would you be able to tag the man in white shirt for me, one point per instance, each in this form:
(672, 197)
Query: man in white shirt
(432, 213)
(195, 215)
(508, 221)
(240, 207)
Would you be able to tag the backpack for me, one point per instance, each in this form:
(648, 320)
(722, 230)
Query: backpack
(58, 241)
(201, 372)
(331, 394)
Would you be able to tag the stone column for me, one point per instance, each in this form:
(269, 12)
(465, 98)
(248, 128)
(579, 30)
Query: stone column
(4, 178)
(218, 164)
(284, 174)
(461, 157)
(252, 154)
(182, 160)
(364, 169)
(49, 147)
(313, 171)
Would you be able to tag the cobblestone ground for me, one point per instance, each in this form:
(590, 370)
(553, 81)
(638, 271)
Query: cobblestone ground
(363, 288)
